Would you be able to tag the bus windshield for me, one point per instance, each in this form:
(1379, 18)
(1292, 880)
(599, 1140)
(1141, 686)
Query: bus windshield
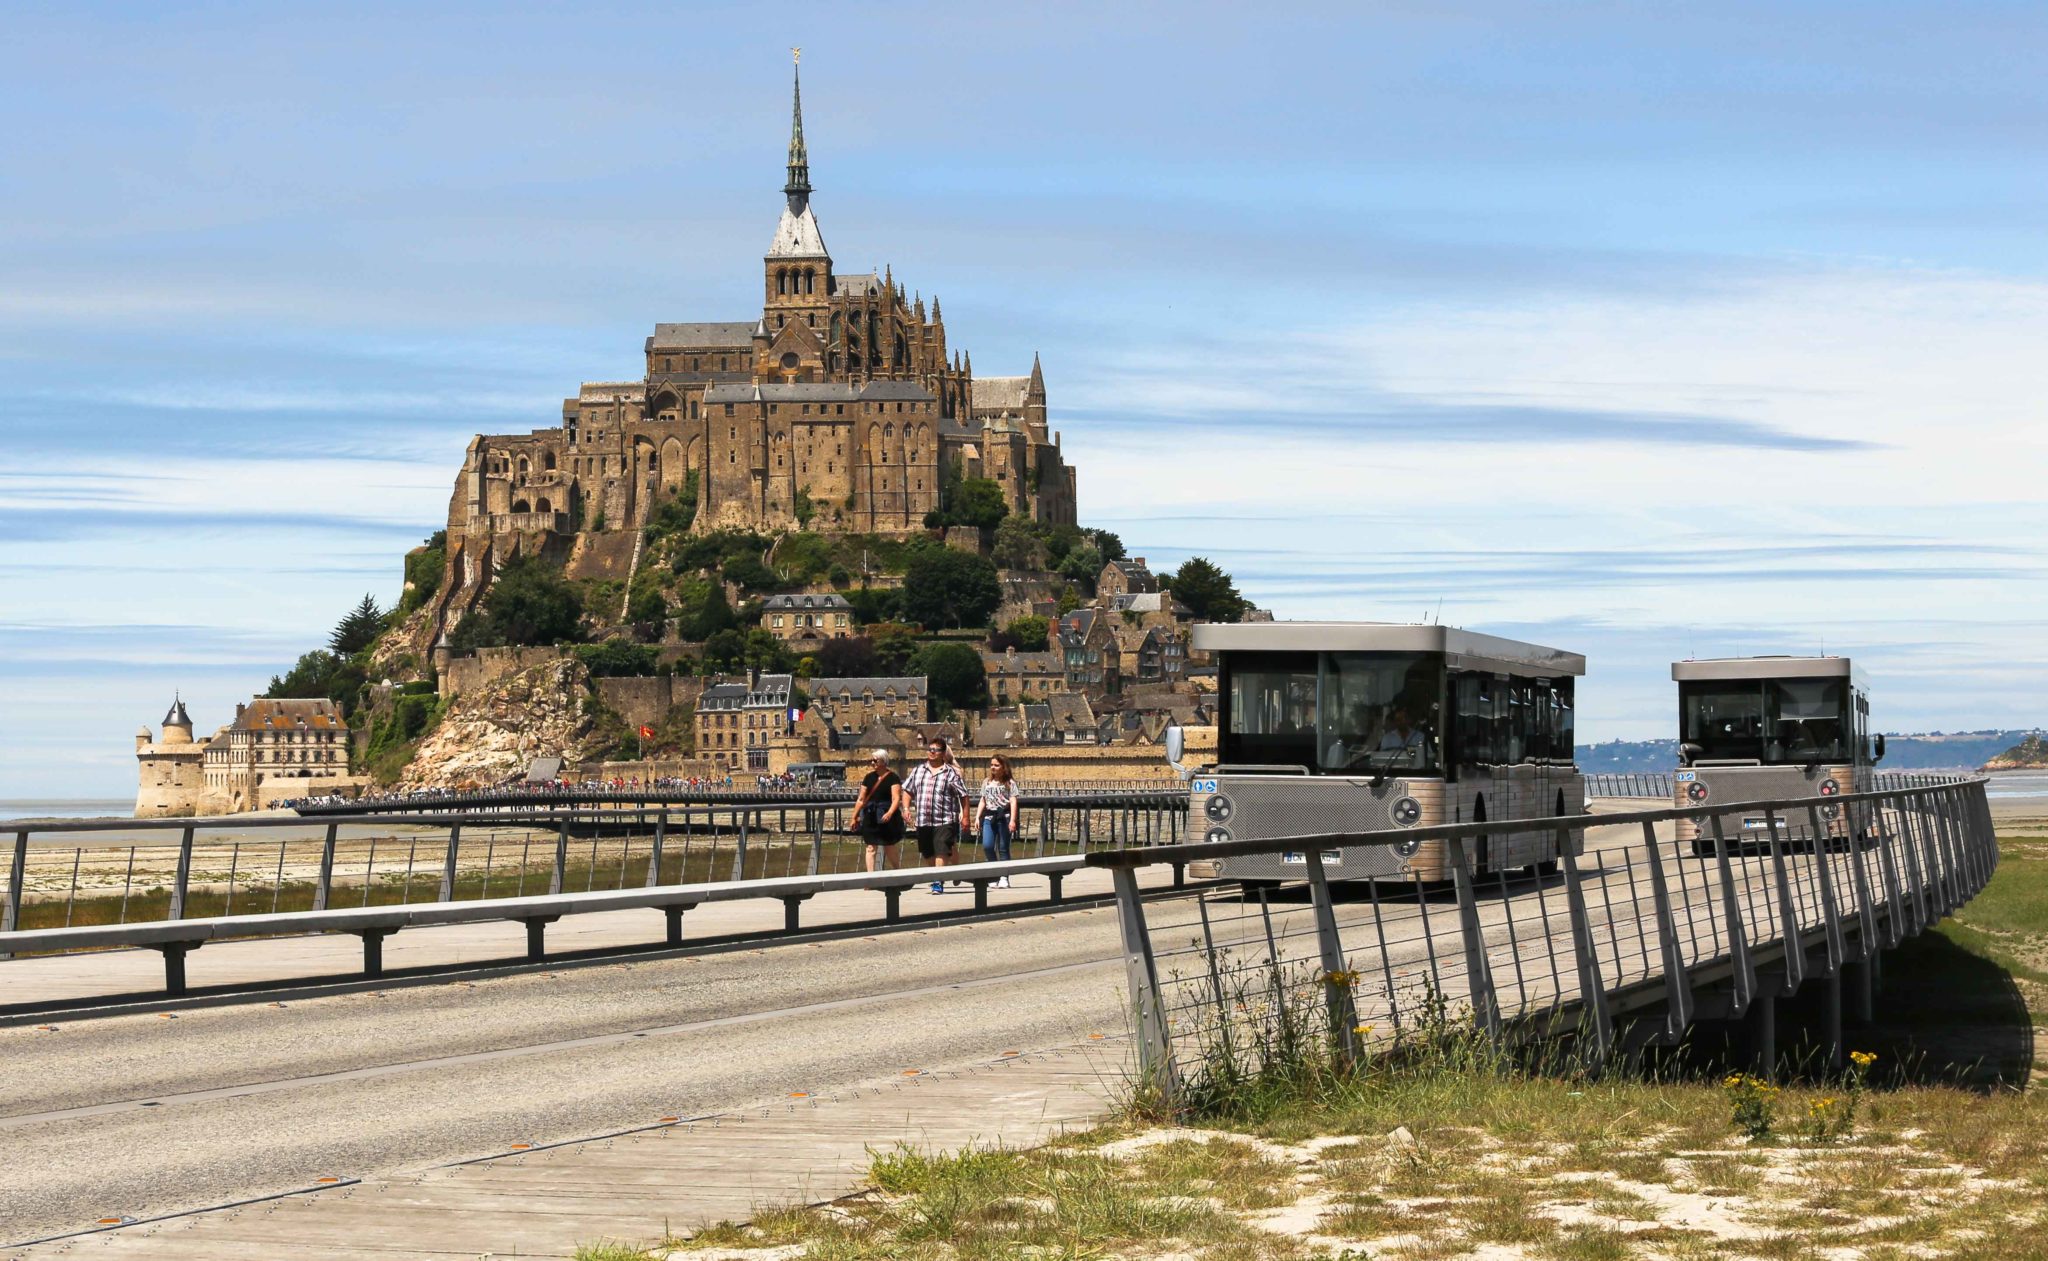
(1334, 712)
(1772, 721)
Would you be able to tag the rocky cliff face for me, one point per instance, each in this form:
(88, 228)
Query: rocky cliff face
(494, 733)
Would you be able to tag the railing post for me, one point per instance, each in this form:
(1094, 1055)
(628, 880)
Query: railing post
(1951, 863)
(1677, 980)
(323, 887)
(1831, 913)
(448, 865)
(1888, 872)
(1791, 941)
(739, 853)
(1155, 1050)
(660, 841)
(1866, 916)
(817, 841)
(1592, 989)
(1738, 941)
(1916, 878)
(181, 885)
(17, 877)
(1478, 974)
(1336, 978)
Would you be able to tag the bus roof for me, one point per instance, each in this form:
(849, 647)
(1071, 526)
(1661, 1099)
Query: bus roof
(1722, 668)
(1462, 649)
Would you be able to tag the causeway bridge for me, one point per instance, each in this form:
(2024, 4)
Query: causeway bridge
(378, 997)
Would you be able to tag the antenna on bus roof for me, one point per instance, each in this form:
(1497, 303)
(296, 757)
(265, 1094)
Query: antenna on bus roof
(1439, 611)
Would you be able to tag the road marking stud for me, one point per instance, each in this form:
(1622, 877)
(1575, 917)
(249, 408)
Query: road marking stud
(329, 1178)
(799, 1094)
(1095, 1037)
(666, 1120)
(522, 1147)
(110, 1221)
(912, 1072)
(1007, 1054)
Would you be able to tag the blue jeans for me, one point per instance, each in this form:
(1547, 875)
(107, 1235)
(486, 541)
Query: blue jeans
(995, 838)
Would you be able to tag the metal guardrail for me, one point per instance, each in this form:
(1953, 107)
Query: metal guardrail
(1160, 793)
(177, 938)
(1649, 785)
(1716, 928)
(78, 873)
(1657, 785)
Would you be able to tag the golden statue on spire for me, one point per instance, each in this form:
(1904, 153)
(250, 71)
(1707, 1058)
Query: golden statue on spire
(796, 56)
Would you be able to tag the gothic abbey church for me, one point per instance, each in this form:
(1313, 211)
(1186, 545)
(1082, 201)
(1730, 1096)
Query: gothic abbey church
(838, 405)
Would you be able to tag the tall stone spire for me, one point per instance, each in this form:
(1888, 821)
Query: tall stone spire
(798, 189)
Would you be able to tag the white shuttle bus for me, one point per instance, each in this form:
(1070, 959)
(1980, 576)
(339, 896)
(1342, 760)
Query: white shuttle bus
(1366, 726)
(1772, 728)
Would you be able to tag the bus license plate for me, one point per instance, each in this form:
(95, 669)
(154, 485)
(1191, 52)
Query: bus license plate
(1295, 858)
(1756, 825)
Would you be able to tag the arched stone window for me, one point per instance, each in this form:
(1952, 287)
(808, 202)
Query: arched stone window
(547, 461)
(544, 506)
(520, 505)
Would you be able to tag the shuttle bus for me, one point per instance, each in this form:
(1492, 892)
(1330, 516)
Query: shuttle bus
(1362, 726)
(1767, 729)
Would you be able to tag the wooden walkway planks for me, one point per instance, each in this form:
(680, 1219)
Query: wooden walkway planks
(637, 1186)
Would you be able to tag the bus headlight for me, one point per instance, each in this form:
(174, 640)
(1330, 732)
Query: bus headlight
(1829, 788)
(1218, 809)
(1697, 792)
(1216, 836)
(1406, 849)
(1831, 811)
(1407, 812)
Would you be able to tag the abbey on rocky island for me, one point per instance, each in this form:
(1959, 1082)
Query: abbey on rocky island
(840, 406)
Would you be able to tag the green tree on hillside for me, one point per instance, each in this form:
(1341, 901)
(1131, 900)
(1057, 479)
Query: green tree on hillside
(529, 602)
(1026, 634)
(947, 588)
(1017, 545)
(954, 673)
(1208, 591)
(1083, 566)
(358, 629)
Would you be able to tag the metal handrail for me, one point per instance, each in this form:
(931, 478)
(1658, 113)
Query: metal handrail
(1880, 865)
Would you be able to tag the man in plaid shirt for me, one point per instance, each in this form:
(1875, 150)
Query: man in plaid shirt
(938, 795)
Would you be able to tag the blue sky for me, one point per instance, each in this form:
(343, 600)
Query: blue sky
(1644, 329)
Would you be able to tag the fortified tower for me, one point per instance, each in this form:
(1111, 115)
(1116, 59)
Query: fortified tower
(172, 770)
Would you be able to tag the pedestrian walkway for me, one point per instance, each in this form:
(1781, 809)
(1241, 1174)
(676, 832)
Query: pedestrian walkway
(635, 1187)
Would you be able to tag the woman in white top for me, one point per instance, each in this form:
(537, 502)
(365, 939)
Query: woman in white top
(996, 820)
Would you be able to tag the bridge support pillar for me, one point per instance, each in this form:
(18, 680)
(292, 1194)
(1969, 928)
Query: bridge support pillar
(1856, 978)
(893, 910)
(1760, 1027)
(981, 895)
(1832, 1015)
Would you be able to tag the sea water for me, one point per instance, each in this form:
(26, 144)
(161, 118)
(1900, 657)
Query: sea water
(75, 808)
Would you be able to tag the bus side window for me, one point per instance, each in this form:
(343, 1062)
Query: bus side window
(1475, 721)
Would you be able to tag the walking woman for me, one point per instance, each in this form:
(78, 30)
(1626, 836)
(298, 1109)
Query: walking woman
(878, 811)
(998, 814)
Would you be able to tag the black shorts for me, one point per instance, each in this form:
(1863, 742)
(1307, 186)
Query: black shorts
(937, 840)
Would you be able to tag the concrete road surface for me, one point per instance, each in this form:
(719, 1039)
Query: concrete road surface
(138, 1115)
